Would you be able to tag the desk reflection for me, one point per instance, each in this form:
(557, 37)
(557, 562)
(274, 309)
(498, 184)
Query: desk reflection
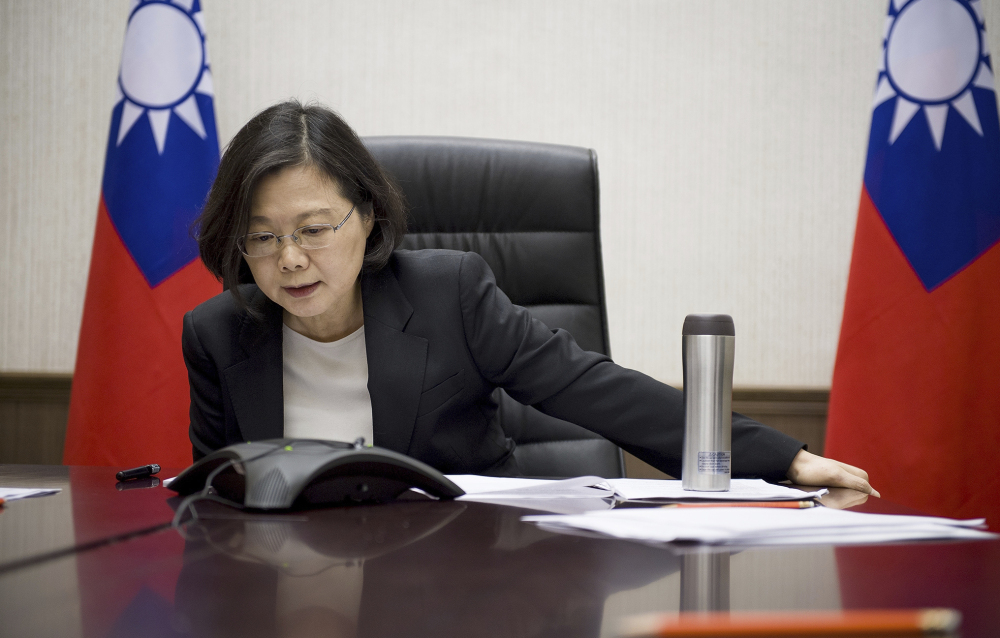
(428, 568)
(416, 569)
(705, 581)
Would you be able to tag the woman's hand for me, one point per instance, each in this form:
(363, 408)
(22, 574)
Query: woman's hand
(809, 469)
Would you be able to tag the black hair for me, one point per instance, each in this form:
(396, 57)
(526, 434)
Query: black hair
(293, 134)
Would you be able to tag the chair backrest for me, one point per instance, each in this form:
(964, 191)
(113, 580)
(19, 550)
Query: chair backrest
(532, 211)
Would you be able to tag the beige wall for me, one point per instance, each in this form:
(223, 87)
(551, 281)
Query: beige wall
(731, 136)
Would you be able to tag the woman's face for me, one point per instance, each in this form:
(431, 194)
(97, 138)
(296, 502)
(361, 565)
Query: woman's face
(319, 288)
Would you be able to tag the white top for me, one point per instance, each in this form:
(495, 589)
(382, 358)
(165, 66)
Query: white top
(326, 388)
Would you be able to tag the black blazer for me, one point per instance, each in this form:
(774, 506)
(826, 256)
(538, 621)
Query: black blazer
(440, 336)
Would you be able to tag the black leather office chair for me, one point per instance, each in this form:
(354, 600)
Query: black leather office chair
(531, 210)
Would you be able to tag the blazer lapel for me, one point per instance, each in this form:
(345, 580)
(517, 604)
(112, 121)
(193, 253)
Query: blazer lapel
(396, 360)
(256, 383)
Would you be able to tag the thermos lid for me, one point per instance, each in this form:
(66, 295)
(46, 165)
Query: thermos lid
(709, 325)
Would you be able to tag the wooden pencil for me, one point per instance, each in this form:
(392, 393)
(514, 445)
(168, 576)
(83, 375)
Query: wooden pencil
(792, 505)
(874, 622)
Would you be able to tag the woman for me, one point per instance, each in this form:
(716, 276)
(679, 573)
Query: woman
(329, 332)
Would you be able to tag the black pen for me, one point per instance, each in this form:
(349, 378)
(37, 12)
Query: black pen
(138, 472)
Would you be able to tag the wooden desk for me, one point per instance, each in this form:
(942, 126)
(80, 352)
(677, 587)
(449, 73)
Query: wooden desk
(106, 563)
(89, 511)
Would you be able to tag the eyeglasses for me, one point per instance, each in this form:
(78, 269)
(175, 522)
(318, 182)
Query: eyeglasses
(309, 237)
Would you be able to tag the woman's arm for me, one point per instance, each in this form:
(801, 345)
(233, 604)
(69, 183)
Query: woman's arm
(548, 370)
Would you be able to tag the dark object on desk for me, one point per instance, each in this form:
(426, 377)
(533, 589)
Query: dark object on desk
(532, 211)
(143, 471)
(298, 473)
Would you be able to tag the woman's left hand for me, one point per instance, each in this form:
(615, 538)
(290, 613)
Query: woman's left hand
(809, 469)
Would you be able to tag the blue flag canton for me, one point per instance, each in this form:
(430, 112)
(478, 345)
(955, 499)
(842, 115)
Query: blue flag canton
(163, 149)
(933, 166)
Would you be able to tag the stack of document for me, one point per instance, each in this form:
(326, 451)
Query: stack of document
(588, 493)
(622, 489)
(749, 527)
(739, 490)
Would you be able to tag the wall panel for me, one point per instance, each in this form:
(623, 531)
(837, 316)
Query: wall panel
(731, 137)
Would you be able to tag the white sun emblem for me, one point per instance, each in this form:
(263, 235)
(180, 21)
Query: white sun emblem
(934, 53)
(164, 63)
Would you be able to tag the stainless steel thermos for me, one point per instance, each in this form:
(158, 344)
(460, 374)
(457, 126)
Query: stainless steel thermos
(708, 345)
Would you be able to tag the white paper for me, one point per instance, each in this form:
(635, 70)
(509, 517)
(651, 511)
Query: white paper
(15, 493)
(739, 490)
(500, 488)
(475, 484)
(748, 527)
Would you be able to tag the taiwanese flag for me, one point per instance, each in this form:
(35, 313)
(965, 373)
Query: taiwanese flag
(130, 393)
(916, 386)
